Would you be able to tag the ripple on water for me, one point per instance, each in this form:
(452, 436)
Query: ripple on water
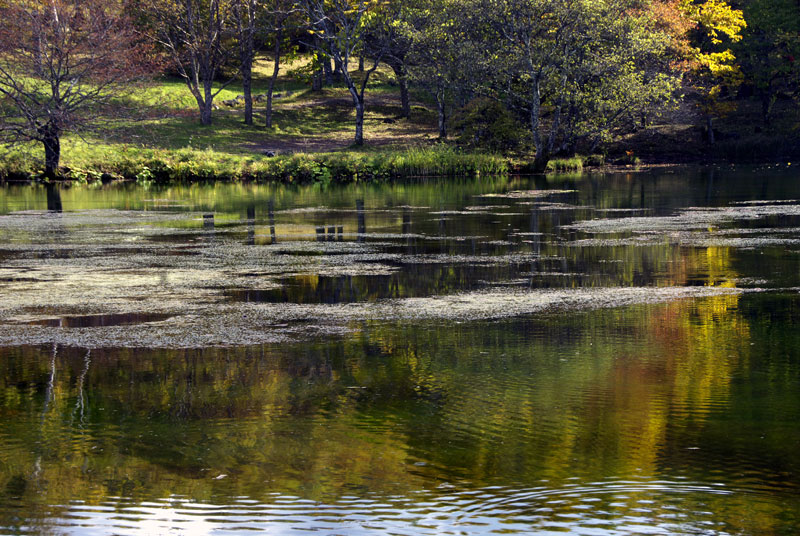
(610, 507)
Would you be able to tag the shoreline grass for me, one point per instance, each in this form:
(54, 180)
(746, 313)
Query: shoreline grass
(151, 165)
(573, 164)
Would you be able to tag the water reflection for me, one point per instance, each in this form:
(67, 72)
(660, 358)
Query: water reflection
(362, 226)
(53, 198)
(251, 225)
(675, 418)
(271, 216)
(524, 420)
(95, 321)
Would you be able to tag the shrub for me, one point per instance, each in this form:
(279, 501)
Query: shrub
(488, 124)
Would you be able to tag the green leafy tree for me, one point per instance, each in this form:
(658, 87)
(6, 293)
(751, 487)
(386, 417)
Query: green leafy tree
(714, 73)
(338, 28)
(577, 68)
(443, 58)
(393, 30)
(769, 51)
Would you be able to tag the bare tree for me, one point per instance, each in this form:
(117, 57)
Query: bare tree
(279, 15)
(245, 14)
(258, 22)
(199, 36)
(339, 27)
(62, 62)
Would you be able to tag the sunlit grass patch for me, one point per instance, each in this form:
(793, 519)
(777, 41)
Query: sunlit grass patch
(565, 164)
(145, 164)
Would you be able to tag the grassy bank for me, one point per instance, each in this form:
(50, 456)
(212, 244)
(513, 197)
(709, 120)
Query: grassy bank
(187, 164)
(310, 139)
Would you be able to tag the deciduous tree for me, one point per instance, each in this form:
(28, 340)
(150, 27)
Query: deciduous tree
(577, 68)
(199, 37)
(713, 72)
(245, 14)
(62, 63)
(769, 51)
(444, 55)
(280, 17)
(338, 28)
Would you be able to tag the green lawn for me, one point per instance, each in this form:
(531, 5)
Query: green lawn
(307, 127)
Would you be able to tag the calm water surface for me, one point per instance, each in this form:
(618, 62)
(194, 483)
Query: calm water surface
(676, 417)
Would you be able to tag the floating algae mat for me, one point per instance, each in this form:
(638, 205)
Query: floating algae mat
(96, 321)
(612, 355)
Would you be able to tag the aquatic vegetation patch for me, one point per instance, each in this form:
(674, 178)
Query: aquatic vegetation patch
(622, 210)
(691, 218)
(766, 202)
(196, 324)
(479, 208)
(698, 240)
(38, 220)
(511, 258)
(160, 278)
(526, 194)
(335, 210)
(553, 206)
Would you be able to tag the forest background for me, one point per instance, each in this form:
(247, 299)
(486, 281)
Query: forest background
(362, 89)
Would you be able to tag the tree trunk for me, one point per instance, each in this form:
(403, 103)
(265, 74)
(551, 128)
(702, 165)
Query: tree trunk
(326, 68)
(52, 150)
(551, 139)
(766, 108)
(710, 126)
(316, 81)
(540, 162)
(401, 75)
(441, 105)
(247, 89)
(542, 155)
(405, 100)
(208, 99)
(359, 139)
(357, 93)
(361, 63)
(274, 77)
(205, 114)
(245, 16)
(337, 71)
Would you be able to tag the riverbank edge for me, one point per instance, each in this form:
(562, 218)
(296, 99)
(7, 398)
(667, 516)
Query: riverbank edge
(192, 165)
(155, 166)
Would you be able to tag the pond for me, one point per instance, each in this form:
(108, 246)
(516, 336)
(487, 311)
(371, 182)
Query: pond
(605, 354)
